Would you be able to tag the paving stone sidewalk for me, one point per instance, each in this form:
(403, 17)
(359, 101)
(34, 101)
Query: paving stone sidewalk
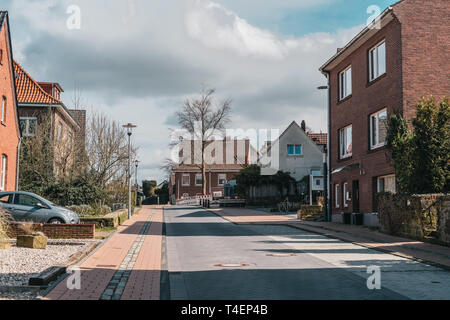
(127, 266)
(413, 249)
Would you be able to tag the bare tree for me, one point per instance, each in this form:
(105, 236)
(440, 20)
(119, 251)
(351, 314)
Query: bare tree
(203, 118)
(107, 149)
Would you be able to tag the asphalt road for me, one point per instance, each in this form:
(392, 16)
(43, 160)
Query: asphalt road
(210, 258)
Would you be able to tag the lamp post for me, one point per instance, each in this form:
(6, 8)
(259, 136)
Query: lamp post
(136, 163)
(326, 158)
(129, 128)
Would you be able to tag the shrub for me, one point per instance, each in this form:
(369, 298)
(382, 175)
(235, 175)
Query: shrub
(3, 226)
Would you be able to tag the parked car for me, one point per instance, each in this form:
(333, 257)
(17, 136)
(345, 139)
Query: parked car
(26, 206)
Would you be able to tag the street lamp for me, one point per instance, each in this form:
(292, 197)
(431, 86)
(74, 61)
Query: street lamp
(136, 163)
(326, 158)
(129, 128)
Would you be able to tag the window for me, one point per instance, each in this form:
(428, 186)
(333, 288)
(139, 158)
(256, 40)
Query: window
(3, 168)
(345, 194)
(222, 177)
(377, 61)
(345, 83)
(198, 179)
(69, 141)
(186, 180)
(1, 56)
(59, 133)
(378, 129)
(345, 142)
(294, 150)
(26, 200)
(6, 198)
(336, 196)
(3, 111)
(28, 126)
(316, 172)
(386, 183)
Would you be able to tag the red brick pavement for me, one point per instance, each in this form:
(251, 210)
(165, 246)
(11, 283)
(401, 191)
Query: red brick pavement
(99, 268)
(426, 252)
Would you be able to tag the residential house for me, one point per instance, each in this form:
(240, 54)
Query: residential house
(39, 103)
(224, 159)
(380, 71)
(9, 121)
(300, 154)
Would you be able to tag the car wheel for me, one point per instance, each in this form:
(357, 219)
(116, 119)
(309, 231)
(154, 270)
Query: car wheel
(56, 221)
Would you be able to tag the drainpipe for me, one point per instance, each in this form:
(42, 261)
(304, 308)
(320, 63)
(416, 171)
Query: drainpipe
(18, 163)
(328, 173)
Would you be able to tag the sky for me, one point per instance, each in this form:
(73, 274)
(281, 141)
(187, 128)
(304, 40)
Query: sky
(138, 60)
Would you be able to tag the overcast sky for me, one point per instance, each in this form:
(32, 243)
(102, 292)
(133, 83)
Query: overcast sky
(137, 60)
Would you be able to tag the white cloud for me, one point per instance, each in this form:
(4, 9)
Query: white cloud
(137, 60)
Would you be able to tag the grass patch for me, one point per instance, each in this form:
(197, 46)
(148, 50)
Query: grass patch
(103, 233)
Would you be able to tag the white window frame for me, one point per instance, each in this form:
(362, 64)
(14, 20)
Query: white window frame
(294, 154)
(218, 179)
(59, 132)
(201, 179)
(3, 111)
(3, 165)
(384, 177)
(26, 131)
(336, 195)
(377, 144)
(189, 180)
(342, 142)
(345, 83)
(374, 67)
(345, 194)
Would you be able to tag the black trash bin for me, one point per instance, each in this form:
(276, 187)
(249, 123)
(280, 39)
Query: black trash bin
(347, 218)
(359, 219)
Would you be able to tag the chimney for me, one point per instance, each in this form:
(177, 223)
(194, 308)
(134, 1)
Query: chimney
(303, 125)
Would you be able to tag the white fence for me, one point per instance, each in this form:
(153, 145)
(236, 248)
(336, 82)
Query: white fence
(193, 201)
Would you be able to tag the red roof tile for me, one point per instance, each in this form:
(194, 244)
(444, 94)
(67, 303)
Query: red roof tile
(28, 90)
(319, 138)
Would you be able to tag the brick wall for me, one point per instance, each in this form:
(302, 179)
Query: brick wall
(365, 100)
(9, 132)
(426, 50)
(56, 231)
(193, 190)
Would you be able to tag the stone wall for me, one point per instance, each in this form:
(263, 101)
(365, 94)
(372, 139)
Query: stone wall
(421, 217)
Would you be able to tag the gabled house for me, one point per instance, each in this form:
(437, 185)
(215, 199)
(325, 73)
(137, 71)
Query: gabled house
(40, 103)
(386, 68)
(299, 153)
(9, 120)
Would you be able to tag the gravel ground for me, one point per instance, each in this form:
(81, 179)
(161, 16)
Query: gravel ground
(18, 265)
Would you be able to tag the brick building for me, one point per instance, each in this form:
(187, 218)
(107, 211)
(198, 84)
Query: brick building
(40, 102)
(224, 159)
(380, 71)
(9, 122)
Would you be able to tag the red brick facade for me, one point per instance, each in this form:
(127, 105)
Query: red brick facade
(56, 231)
(417, 38)
(9, 126)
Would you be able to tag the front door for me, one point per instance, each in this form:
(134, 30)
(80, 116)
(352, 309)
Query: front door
(355, 191)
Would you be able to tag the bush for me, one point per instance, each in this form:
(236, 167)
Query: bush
(3, 226)
(87, 211)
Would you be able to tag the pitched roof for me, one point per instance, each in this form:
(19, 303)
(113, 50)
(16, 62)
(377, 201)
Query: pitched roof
(319, 138)
(2, 18)
(29, 91)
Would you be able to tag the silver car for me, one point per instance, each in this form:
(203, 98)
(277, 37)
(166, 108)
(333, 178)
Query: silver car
(26, 206)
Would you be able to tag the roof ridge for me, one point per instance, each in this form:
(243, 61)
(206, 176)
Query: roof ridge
(35, 83)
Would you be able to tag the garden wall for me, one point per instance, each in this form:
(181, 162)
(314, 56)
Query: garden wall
(421, 217)
(55, 231)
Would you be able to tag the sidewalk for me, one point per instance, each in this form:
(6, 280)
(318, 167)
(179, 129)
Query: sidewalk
(407, 248)
(126, 267)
